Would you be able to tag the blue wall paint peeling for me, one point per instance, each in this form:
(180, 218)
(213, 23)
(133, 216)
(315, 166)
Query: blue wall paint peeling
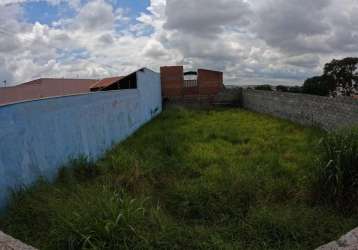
(37, 137)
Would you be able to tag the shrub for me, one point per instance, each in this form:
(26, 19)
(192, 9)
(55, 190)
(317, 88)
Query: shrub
(337, 173)
(264, 87)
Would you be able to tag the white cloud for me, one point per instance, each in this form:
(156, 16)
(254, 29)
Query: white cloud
(206, 17)
(253, 41)
(95, 16)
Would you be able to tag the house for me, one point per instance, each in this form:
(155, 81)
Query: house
(177, 84)
(143, 82)
(44, 87)
(122, 82)
(51, 87)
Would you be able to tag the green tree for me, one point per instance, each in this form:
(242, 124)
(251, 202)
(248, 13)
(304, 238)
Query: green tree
(282, 88)
(318, 85)
(295, 89)
(264, 87)
(342, 74)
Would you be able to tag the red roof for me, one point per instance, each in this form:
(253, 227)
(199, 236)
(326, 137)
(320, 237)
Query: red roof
(105, 82)
(48, 87)
(44, 87)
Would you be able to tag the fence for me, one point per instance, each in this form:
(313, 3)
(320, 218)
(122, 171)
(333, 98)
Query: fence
(190, 83)
(37, 137)
(327, 113)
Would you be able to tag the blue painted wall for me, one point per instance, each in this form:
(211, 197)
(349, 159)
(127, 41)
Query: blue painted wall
(37, 137)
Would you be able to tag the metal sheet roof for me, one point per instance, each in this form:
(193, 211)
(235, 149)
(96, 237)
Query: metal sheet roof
(105, 82)
(44, 87)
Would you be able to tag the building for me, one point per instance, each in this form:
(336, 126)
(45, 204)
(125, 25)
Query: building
(44, 87)
(177, 84)
(129, 81)
(51, 87)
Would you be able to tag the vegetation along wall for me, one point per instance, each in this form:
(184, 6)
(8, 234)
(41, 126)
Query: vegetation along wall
(37, 137)
(327, 113)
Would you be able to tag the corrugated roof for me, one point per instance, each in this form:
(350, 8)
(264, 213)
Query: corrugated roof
(105, 82)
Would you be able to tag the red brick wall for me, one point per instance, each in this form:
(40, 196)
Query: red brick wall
(172, 79)
(191, 91)
(210, 82)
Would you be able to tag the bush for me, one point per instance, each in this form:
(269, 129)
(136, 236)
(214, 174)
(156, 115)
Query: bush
(264, 87)
(318, 85)
(338, 168)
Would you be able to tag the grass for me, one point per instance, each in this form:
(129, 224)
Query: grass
(191, 179)
(337, 172)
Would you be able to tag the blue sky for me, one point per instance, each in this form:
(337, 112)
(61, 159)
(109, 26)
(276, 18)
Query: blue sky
(46, 13)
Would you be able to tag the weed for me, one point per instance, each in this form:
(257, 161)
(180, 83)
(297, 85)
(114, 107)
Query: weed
(190, 179)
(337, 172)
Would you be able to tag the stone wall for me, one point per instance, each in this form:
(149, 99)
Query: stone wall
(348, 241)
(9, 243)
(324, 112)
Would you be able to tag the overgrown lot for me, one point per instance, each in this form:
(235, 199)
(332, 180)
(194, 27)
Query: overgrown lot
(191, 179)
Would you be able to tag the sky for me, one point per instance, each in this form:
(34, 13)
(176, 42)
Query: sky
(251, 41)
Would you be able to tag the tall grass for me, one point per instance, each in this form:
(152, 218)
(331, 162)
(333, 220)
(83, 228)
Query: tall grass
(191, 179)
(338, 168)
(96, 217)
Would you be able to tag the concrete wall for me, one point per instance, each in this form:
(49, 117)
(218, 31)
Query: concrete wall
(228, 97)
(37, 137)
(327, 113)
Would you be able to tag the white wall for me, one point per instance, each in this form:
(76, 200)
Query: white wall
(37, 137)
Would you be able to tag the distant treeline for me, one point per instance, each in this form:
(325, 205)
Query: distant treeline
(340, 78)
(282, 88)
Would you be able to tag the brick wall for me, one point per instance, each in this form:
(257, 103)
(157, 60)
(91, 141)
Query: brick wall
(172, 81)
(210, 82)
(189, 91)
(327, 113)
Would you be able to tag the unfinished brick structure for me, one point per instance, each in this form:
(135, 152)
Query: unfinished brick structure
(180, 85)
(172, 80)
(210, 82)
